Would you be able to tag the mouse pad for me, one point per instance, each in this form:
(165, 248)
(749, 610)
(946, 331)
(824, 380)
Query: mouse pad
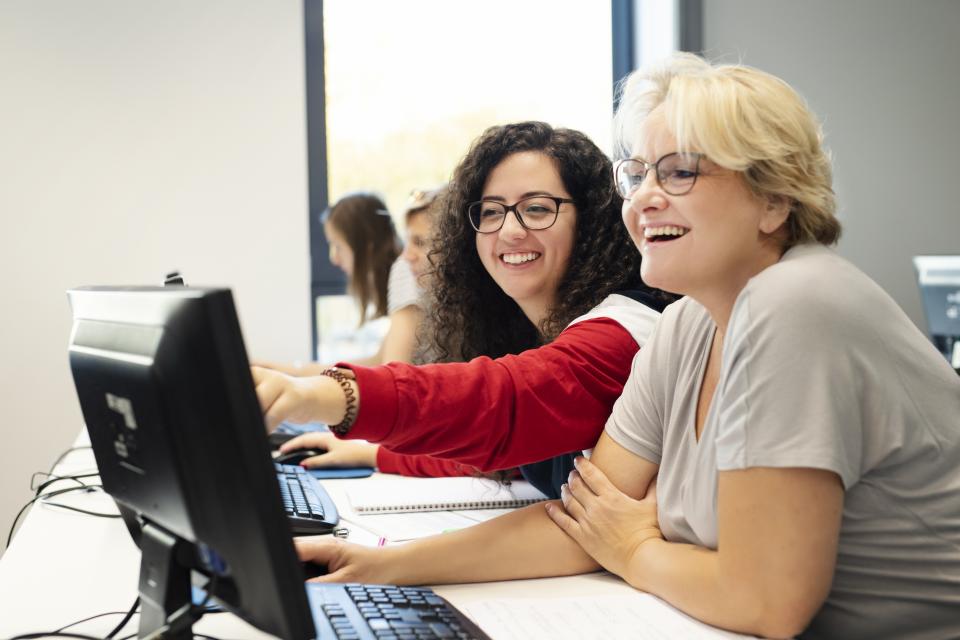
(297, 429)
(346, 472)
(324, 474)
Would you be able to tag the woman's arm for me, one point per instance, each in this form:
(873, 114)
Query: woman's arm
(777, 546)
(300, 369)
(397, 346)
(399, 343)
(401, 339)
(352, 453)
(299, 399)
(498, 414)
(778, 532)
(490, 414)
(336, 453)
(388, 461)
(521, 544)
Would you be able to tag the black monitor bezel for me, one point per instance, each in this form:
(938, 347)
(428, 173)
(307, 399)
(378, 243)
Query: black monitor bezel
(211, 488)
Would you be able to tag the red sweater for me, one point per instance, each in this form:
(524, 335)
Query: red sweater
(420, 465)
(495, 414)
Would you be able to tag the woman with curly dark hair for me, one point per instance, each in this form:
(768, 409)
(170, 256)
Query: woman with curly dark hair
(537, 285)
(474, 314)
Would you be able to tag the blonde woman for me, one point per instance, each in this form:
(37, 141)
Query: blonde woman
(801, 430)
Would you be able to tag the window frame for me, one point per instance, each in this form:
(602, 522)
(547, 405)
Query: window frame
(325, 279)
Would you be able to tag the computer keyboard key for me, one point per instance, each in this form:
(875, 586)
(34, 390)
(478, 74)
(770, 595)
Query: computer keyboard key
(442, 631)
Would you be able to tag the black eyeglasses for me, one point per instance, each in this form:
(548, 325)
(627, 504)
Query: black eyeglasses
(534, 213)
(676, 173)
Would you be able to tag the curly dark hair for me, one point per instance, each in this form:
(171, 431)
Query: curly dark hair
(471, 315)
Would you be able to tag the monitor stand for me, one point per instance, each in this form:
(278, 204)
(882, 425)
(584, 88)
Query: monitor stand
(165, 592)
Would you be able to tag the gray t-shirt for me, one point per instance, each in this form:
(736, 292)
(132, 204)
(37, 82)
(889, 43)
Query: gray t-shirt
(820, 369)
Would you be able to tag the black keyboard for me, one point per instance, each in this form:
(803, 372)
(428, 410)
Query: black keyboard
(385, 612)
(309, 507)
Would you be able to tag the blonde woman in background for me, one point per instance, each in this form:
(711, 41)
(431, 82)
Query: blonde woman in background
(420, 214)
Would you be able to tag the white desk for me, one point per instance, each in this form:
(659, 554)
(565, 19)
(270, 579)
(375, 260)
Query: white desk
(64, 566)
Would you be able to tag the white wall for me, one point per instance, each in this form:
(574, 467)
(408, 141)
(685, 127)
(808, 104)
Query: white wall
(883, 76)
(136, 138)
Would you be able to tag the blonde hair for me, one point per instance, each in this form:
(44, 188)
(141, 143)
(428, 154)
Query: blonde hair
(745, 120)
(424, 201)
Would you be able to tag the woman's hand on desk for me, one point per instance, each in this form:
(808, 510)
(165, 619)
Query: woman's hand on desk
(346, 561)
(607, 523)
(339, 453)
(298, 399)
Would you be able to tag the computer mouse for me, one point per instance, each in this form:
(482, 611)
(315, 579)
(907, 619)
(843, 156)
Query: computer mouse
(313, 570)
(278, 438)
(297, 456)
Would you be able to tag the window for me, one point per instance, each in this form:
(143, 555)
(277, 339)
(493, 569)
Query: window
(411, 84)
(397, 91)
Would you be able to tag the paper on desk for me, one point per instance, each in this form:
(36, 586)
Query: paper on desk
(639, 616)
(397, 527)
(482, 515)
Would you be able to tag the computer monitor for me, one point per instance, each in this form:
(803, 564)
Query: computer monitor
(168, 399)
(939, 279)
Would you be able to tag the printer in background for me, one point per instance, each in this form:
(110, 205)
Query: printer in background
(939, 279)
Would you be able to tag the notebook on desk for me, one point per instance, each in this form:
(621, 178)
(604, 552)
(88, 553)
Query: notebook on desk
(409, 495)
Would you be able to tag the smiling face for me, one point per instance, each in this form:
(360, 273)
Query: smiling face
(528, 265)
(708, 242)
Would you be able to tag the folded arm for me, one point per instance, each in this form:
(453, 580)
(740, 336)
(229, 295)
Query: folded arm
(521, 544)
(778, 532)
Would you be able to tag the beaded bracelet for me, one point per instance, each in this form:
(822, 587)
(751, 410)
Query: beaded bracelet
(350, 415)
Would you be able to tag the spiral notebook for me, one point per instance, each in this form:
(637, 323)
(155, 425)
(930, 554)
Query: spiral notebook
(440, 494)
